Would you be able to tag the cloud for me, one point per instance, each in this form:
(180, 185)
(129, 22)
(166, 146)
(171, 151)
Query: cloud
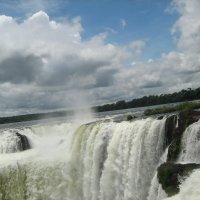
(136, 46)
(123, 23)
(110, 30)
(44, 63)
(42, 58)
(188, 25)
(20, 68)
(150, 60)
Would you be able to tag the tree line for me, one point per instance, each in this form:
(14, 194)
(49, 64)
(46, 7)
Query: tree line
(183, 95)
(31, 117)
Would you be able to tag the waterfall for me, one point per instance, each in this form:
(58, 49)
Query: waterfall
(9, 142)
(155, 191)
(190, 152)
(133, 154)
(96, 161)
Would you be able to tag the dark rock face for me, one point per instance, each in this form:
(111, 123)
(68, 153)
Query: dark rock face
(160, 117)
(169, 174)
(174, 128)
(130, 117)
(23, 142)
(170, 129)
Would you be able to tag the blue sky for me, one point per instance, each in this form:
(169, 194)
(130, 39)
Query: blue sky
(144, 20)
(57, 54)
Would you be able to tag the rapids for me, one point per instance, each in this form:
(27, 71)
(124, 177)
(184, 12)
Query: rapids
(102, 160)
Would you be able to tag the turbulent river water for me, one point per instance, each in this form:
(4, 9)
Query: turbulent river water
(103, 160)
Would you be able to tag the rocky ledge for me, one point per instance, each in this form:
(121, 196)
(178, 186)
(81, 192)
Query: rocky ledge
(174, 129)
(169, 175)
(23, 143)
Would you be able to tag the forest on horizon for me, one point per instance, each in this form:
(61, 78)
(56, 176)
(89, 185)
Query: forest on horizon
(181, 96)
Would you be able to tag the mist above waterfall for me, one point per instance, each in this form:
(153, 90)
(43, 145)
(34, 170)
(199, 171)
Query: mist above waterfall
(101, 160)
(82, 103)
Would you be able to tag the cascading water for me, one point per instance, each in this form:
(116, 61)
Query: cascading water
(155, 191)
(191, 145)
(114, 160)
(9, 142)
(133, 154)
(37, 173)
(96, 161)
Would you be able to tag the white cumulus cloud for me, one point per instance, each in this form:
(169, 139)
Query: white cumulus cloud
(45, 63)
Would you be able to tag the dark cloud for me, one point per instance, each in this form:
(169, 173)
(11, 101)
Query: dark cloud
(71, 69)
(152, 84)
(18, 68)
(105, 77)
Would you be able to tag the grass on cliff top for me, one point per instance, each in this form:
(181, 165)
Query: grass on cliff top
(187, 106)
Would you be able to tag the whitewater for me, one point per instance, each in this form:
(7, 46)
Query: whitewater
(101, 160)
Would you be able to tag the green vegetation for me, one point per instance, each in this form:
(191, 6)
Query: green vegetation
(187, 106)
(159, 110)
(30, 117)
(183, 95)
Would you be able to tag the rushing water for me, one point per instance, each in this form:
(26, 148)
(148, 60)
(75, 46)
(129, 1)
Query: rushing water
(155, 191)
(96, 161)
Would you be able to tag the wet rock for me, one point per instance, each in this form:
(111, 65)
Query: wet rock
(170, 129)
(174, 128)
(169, 175)
(23, 143)
(160, 117)
(130, 117)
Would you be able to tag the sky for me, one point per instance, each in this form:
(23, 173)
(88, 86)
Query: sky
(60, 54)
